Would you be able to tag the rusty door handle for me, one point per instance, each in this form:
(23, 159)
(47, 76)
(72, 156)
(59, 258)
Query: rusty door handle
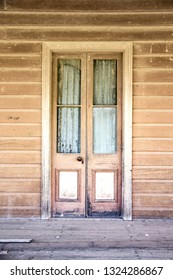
(80, 159)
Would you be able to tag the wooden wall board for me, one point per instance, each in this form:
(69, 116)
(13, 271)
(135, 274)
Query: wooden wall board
(20, 171)
(20, 116)
(153, 89)
(19, 48)
(153, 173)
(151, 48)
(20, 186)
(152, 159)
(23, 75)
(154, 200)
(162, 116)
(98, 18)
(164, 62)
(154, 186)
(20, 157)
(20, 144)
(153, 102)
(20, 102)
(20, 62)
(86, 34)
(20, 89)
(152, 145)
(20, 200)
(90, 5)
(20, 212)
(149, 212)
(20, 130)
(153, 131)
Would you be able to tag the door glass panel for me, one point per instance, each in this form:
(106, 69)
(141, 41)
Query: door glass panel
(104, 130)
(105, 89)
(68, 105)
(69, 81)
(68, 132)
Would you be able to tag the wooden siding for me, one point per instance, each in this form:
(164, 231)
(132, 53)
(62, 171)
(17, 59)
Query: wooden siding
(153, 130)
(20, 129)
(24, 25)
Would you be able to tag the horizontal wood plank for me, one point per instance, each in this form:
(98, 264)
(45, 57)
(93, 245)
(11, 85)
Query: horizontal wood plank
(149, 116)
(84, 34)
(13, 157)
(145, 75)
(88, 5)
(23, 75)
(20, 171)
(19, 212)
(19, 144)
(155, 89)
(20, 48)
(153, 173)
(153, 102)
(160, 131)
(20, 186)
(12, 200)
(147, 212)
(153, 62)
(152, 159)
(17, 116)
(29, 130)
(20, 89)
(152, 200)
(77, 18)
(152, 187)
(20, 102)
(152, 145)
(20, 62)
(153, 48)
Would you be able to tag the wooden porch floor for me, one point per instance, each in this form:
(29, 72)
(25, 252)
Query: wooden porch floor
(67, 239)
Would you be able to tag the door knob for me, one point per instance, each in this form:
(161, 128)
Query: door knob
(80, 159)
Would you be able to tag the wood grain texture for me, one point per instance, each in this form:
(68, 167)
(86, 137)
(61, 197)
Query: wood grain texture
(151, 48)
(153, 131)
(145, 75)
(20, 48)
(20, 116)
(157, 187)
(20, 171)
(147, 200)
(20, 102)
(153, 62)
(57, 18)
(12, 157)
(153, 173)
(20, 212)
(20, 89)
(16, 75)
(12, 200)
(20, 186)
(152, 159)
(89, 5)
(20, 144)
(153, 102)
(20, 62)
(156, 89)
(26, 130)
(153, 116)
(151, 145)
(68, 33)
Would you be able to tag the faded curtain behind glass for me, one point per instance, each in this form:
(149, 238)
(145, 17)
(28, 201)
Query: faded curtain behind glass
(68, 115)
(104, 107)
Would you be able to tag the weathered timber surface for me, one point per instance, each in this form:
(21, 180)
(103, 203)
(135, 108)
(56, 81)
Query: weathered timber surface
(88, 239)
(57, 18)
(89, 5)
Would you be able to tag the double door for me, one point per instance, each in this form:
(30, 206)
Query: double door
(86, 135)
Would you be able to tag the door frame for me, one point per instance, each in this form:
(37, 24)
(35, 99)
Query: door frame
(125, 48)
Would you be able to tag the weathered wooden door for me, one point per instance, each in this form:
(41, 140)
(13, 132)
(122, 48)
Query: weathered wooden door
(86, 138)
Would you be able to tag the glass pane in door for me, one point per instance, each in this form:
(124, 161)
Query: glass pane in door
(68, 105)
(104, 106)
(105, 88)
(104, 130)
(69, 81)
